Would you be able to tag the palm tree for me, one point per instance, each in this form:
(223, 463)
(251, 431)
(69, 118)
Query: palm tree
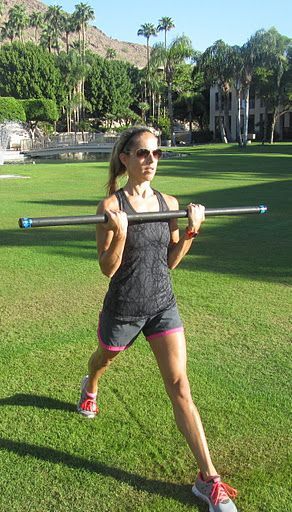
(173, 57)
(83, 14)
(8, 31)
(147, 30)
(165, 24)
(217, 64)
(256, 52)
(36, 21)
(274, 79)
(18, 18)
(55, 20)
(2, 8)
(69, 28)
(73, 72)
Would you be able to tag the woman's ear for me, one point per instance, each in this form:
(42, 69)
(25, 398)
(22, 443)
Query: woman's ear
(123, 159)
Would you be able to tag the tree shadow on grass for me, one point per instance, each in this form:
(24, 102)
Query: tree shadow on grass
(221, 165)
(178, 492)
(39, 401)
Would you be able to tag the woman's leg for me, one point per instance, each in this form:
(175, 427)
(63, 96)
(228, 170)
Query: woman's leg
(97, 365)
(170, 353)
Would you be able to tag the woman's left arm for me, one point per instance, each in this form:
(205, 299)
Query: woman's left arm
(180, 244)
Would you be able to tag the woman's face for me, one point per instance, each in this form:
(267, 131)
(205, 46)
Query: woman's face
(142, 159)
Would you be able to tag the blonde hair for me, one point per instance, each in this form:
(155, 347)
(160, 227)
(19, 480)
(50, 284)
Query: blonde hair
(123, 145)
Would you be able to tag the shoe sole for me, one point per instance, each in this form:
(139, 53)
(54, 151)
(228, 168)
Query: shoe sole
(205, 498)
(86, 414)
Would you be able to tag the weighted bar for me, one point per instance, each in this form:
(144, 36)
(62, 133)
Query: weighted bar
(36, 222)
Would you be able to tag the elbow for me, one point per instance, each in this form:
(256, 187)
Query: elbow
(106, 272)
(172, 265)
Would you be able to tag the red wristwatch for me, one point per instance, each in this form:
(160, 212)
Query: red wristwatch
(191, 234)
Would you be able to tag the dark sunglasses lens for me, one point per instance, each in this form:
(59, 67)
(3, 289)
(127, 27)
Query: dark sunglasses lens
(157, 153)
(144, 153)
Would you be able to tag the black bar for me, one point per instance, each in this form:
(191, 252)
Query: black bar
(36, 222)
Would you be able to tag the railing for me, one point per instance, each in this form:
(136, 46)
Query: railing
(68, 139)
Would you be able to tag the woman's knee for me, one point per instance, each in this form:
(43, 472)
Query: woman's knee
(178, 389)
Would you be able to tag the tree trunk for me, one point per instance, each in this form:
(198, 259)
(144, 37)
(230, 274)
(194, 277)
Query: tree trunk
(170, 105)
(238, 120)
(274, 119)
(265, 125)
(221, 118)
(226, 116)
(246, 114)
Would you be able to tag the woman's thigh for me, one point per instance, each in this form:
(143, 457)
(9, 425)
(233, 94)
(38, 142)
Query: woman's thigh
(170, 353)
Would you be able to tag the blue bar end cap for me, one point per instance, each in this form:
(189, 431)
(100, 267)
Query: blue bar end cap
(25, 222)
(263, 208)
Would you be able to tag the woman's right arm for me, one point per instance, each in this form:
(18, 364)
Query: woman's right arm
(111, 236)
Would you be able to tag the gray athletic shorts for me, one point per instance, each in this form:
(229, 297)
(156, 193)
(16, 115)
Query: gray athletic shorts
(116, 335)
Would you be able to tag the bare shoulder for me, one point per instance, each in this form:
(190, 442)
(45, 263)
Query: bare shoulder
(171, 202)
(109, 203)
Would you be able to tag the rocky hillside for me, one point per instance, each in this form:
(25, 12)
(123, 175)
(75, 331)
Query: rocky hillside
(98, 42)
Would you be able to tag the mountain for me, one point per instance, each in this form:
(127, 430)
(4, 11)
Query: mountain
(97, 41)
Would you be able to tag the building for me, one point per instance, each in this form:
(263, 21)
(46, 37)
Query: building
(257, 112)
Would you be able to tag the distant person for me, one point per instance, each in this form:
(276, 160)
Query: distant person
(140, 298)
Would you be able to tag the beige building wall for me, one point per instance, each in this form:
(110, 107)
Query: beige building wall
(256, 117)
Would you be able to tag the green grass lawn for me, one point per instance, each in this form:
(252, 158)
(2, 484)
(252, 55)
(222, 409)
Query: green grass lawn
(234, 294)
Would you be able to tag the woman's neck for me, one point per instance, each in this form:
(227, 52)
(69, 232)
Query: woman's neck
(138, 189)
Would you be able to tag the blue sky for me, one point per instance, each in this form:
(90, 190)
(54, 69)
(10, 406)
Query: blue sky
(202, 21)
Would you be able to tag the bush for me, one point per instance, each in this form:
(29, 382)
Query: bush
(202, 136)
(11, 110)
(40, 110)
(164, 125)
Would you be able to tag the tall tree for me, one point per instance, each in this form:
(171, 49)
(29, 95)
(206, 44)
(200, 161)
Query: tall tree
(173, 57)
(2, 9)
(55, 20)
(69, 28)
(8, 31)
(19, 19)
(72, 71)
(273, 82)
(147, 30)
(83, 14)
(217, 65)
(165, 24)
(255, 53)
(36, 21)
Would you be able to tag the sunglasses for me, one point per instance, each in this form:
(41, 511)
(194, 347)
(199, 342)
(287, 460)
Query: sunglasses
(144, 153)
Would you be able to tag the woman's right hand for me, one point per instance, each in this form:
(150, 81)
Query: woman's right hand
(117, 222)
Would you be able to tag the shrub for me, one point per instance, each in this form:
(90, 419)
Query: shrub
(202, 136)
(11, 110)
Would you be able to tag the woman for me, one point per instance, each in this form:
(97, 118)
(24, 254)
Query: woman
(137, 258)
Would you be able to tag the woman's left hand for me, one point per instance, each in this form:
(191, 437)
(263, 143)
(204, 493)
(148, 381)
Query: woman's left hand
(196, 215)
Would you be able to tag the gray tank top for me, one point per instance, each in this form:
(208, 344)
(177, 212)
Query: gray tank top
(141, 287)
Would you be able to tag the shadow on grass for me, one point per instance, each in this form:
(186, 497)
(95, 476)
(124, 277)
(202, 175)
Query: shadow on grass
(179, 492)
(39, 401)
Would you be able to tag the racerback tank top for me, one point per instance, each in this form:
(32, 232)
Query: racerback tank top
(141, 287)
